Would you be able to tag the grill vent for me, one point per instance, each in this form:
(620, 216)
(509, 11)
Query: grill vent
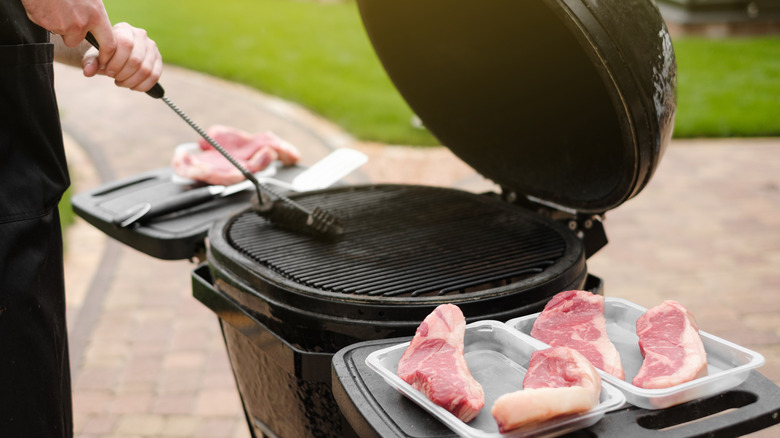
(405, 241)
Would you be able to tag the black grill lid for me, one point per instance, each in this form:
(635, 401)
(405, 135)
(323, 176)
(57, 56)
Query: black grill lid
(567, 101)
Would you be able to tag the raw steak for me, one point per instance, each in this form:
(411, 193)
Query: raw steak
(575, 319)
(671, 346)
(254, 152)
(434, 364)
(559, 381)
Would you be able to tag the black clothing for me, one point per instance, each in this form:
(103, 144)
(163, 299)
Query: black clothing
(35, 399)
(35, 394)
(16, 28)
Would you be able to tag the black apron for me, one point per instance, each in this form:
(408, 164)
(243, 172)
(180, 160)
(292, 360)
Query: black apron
(35, 394)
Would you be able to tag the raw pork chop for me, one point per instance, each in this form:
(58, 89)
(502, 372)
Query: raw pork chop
(575, 319)
(559, 381)
(670, 343)
(434, 364)
(254, 152)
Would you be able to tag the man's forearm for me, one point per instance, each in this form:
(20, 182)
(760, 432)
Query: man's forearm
(68, 55)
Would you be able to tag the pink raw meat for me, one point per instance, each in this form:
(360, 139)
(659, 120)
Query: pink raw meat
(575, 319)
(671, 346)
(434, 364)
(254, 152)
(559, 381)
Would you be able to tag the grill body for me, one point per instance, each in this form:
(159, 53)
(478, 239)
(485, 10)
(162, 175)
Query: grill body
(406, 250)
(564, 103)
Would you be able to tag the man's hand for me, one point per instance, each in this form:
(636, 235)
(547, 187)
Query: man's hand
(136, 63)
(72, 19)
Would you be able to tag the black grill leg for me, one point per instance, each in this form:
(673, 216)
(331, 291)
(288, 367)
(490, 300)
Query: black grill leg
(243, 405)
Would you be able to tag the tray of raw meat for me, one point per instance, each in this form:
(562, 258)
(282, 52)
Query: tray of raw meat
(657, 357)
(474, 377)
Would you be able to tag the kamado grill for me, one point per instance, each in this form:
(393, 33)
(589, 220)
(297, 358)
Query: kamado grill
(566, 105)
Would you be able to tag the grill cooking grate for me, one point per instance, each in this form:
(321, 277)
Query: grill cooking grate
(405, 241)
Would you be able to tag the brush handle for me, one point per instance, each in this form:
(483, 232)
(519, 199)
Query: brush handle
(317, 222)
(156, 91)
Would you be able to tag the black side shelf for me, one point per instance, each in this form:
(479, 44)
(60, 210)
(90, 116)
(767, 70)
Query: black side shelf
(375, 409)
(176, 236)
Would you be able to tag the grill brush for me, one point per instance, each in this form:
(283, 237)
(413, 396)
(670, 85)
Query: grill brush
(269, 203)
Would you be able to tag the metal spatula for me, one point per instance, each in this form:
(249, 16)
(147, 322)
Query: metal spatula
(272, 205)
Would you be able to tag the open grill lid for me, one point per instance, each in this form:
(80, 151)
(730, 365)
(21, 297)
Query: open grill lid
(569, 102)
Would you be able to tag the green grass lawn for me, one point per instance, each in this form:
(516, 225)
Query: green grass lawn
(317, 54)
(67, 216)
(728, 87)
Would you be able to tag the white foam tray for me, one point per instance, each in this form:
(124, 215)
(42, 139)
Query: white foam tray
(498, 357)
(728, 364)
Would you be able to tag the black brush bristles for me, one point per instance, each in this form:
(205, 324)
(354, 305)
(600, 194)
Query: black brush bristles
(317, 223)
(325, 222)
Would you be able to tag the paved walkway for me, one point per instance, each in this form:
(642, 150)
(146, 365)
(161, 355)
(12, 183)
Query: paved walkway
(148, 359)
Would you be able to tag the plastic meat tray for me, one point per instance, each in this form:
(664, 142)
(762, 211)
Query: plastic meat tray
(497, 357)
(728, 364)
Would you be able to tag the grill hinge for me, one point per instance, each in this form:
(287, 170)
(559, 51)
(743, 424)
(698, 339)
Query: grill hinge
(588, 227)
(591, 231)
